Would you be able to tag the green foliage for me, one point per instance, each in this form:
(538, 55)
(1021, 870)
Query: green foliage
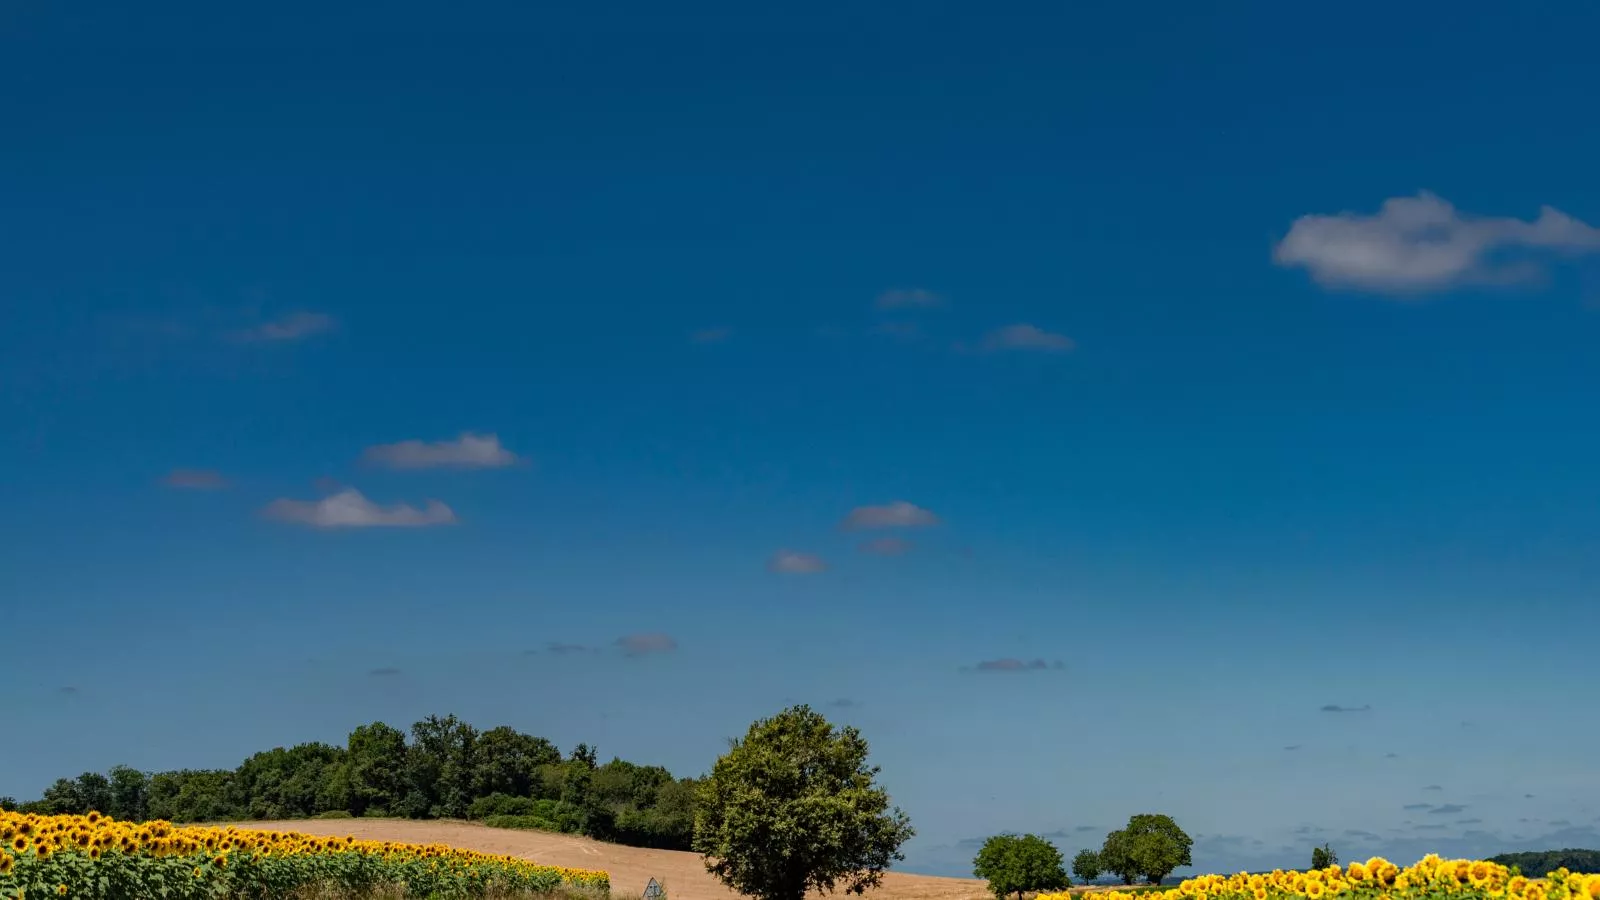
(1116, 857)
(1323, 857)
(446, 769)
(1013, 864)
(1151, 845)
(1546, 861)
(335, 814)
(792, 807)
(1086, 865)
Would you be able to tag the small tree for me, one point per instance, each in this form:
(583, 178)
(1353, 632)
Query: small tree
(1323, 857)
(1013, 864)
(1086, 865)
(792, 807)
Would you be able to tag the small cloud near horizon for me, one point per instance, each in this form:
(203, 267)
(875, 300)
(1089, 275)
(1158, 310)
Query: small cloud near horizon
(843, 703)
(886, 546)
(195, 479)
(69, 690)
(384, 672)
(1416, 806)
(1293, 747)
(714, 335)
(1010, 664)
(292, 327)
(1422, 244)
(350, 509)
(560, 648)
(1432, 787)
(469, 451)
(1446, 809)
(1336, 708)
(793, 562)
(895, 514)
(908, 298)
(645, 644)
(1023, 336)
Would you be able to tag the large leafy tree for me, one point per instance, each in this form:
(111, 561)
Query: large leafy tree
(793, 806)
(1013, 864)
(1156, 845)
(1116, 856)
(375, 758)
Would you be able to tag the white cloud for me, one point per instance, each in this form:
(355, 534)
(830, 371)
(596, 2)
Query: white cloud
(1023, 336)
(791, 562)
(908, 298)
(195, 479)
(1419, 244)
(898, 514)
(349, 509)
(469, 451)
(292, 327)
(646, 644)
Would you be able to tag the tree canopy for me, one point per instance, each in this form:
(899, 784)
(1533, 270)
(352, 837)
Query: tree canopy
(1323, 857)
(1013, 864)
(1086, 865)
(447, 768)
(793, 806)
(1150, 845)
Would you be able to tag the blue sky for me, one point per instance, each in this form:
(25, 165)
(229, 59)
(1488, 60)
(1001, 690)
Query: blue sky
(858, 354)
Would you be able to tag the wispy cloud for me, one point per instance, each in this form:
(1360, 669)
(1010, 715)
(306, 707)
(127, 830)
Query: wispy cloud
(1391, 756)
(1017, 665)
(384, 672)
(843, 703)
(1292, 747)
(793, 562)
(195, 480)
(1447, 809)
(1433, 787)
(293, 327)
(1417, 806)
(886, 546)
(560, 648)
(1420, 244)
(714, 335)
(69, 690)
(896, 514)
(350, 509)
(1023, 336)
(908, 298)
(1336, 708)
(646, 644)
(469, 451)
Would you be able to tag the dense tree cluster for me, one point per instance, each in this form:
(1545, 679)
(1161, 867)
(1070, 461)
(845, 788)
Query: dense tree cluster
(1149, 847)
(447, 769)
(1541, 862)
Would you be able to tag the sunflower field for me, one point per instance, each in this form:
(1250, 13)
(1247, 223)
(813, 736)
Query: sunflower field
(103, 859)
(1432, 878)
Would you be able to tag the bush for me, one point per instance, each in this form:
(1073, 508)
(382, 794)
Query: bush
(502, 805)
(335, 814)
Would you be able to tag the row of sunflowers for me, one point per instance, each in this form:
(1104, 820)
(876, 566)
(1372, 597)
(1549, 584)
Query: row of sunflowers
(96, 857)
(1432, 878)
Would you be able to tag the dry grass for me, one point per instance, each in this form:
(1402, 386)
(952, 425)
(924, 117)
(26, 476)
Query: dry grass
(682, 874)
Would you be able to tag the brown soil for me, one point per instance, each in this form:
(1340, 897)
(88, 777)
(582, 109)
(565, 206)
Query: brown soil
(682, 874)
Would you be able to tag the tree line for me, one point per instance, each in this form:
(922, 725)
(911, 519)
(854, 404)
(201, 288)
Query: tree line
(1540, 862)
(446, 769)
(1150, 847)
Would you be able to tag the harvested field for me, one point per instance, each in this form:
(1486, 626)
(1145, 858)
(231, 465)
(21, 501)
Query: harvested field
(630, 867)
